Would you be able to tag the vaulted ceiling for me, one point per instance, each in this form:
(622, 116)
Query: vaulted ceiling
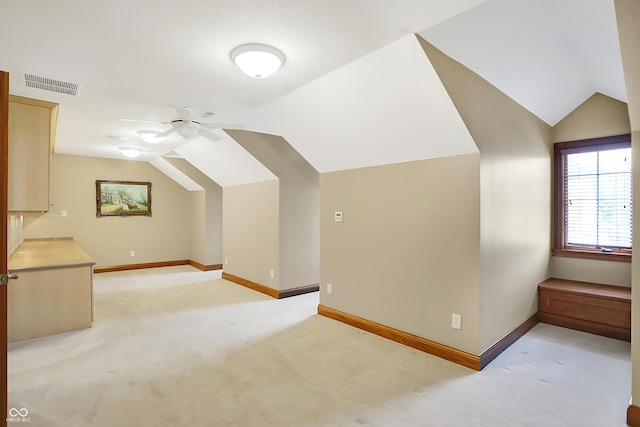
(139, 59)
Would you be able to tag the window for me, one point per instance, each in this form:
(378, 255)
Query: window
(592, 202)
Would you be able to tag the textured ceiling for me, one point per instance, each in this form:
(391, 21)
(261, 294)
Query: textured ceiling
(139, 59)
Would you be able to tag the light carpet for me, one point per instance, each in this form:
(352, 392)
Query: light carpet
(177, 346)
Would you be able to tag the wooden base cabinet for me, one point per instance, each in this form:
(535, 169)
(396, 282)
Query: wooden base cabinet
(589, 307)
(54, 290)
(49, 301)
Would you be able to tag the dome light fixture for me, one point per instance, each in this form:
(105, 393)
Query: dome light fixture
(150, 136)
(188, 131)
(130, 152)
(257, 60)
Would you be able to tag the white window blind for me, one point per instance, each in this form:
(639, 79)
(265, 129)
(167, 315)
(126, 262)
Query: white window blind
(598, 209)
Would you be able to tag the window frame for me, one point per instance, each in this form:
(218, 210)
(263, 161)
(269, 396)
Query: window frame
(559, 245)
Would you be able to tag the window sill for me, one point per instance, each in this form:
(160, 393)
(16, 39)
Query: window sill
(596, 255)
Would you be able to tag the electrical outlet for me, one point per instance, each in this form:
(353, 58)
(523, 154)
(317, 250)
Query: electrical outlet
(63, 213)
(337, 216)
(226, 260)
(132, 254)
(456, 321)
(329, 288)
(272, 273)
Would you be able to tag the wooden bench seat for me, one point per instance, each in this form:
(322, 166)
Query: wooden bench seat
(590, 307)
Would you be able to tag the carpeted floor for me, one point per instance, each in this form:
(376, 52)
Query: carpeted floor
(176, 346)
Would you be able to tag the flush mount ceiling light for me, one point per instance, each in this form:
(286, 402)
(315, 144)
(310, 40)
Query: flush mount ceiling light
(130, 152)
(150, 136)
(257, 60)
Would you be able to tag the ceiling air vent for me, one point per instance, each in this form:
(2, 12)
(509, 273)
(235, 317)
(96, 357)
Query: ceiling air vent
(52, 85)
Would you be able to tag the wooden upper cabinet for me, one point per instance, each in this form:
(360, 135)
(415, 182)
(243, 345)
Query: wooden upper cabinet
(32, 129)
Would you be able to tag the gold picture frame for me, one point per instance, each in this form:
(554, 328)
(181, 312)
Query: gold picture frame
(123, 198)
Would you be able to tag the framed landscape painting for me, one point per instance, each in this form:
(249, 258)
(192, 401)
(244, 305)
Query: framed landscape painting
(123, 198)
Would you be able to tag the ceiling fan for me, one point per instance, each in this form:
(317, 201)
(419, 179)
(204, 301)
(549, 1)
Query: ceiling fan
(186, 126)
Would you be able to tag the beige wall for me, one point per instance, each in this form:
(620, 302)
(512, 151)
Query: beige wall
(250, 232)
(607, 272)
(499, 260)
(206, 215)
(598, 116)
(515, 220)
(627, 12)
(407, 253)
(108, 240)
(213, 223)
(299, 208)
(515, 197)
(198, 227)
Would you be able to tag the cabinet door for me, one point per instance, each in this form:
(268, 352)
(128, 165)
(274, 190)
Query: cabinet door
(30, 140)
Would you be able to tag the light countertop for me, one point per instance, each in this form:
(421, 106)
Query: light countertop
(37, 254)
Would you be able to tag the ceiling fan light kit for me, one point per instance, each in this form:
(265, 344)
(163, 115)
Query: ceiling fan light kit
(186, 126)
(257, 60)
(130, 152)
(150, 136)
(188, 130)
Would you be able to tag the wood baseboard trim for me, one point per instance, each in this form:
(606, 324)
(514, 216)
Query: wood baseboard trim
(205, 267)
(633, 416)
(501, 345)
(445, 352)
(251, 285)
(299, 291)
(274, 293)
(126, 267)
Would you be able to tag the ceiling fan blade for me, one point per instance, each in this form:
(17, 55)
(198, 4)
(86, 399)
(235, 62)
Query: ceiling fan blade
(238, 126)
(165, 133)
(144, 121)
(184, 113)
(209, 135)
